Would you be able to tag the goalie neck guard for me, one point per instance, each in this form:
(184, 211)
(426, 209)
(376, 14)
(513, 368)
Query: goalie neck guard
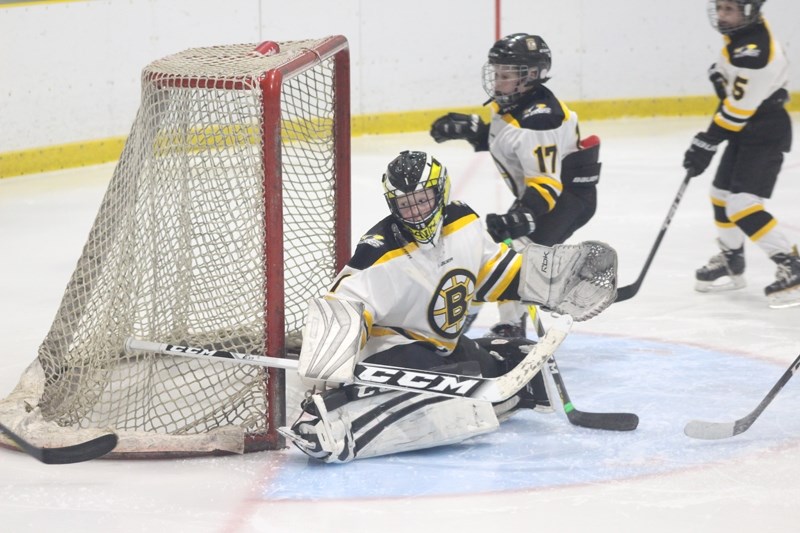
(416, 187)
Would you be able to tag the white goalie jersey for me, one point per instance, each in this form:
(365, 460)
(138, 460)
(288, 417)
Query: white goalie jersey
(412, 294)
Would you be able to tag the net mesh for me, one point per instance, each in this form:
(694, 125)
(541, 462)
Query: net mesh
(177, 254)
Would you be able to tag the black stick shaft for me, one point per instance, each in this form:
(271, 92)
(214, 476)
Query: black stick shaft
(629, 291)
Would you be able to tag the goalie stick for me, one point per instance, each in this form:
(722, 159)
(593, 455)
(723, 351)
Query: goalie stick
(76, 453)
(606, 421)
(405, 379)
(698, 429)
(629, 291)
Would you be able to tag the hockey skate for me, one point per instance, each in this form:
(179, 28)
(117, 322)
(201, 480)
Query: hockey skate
(723, 271)
(785, 291)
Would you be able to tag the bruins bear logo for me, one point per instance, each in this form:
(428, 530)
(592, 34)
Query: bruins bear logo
(450, 303)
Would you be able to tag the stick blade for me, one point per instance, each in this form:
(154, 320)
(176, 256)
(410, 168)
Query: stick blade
(699, 429)
(77, 453)
(607, 421)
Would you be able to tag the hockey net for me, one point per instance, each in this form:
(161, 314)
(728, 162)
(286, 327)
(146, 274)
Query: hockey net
(227, 211)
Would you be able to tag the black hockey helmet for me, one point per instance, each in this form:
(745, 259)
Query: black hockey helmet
(416, 187)
(518, 63)
(747, 12)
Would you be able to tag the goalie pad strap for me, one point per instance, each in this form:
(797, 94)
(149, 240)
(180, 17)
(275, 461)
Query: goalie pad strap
(331, 340)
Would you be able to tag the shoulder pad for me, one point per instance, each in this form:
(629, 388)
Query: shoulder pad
(752, 50)
(374, 244)
(457, 210)
(543, 113)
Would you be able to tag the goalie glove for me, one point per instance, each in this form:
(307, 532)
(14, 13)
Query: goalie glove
(460, 126)
(518, 222)
(578, 280)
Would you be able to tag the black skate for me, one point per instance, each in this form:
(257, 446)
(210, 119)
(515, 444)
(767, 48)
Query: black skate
(785, 291)
(723, 272)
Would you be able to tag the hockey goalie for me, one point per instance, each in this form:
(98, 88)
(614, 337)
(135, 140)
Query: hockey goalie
(401, 302)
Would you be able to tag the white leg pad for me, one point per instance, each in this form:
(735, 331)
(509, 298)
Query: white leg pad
(394, 422)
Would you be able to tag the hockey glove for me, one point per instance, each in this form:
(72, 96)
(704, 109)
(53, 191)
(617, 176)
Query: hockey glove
(719, 82)
(700, 153)
(459, 126)
(515, 224)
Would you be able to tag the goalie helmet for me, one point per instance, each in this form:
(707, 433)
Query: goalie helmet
(518, 64)
(416, 187)
(729, 16)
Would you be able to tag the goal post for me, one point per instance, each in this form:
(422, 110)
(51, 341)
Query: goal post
(228, 209)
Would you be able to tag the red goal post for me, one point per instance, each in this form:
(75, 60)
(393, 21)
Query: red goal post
(228, 209)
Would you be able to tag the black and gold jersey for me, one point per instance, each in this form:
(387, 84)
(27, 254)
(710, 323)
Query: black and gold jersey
(755, 68)
(528, 144)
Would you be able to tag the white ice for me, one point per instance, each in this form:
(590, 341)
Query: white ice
(669, 354)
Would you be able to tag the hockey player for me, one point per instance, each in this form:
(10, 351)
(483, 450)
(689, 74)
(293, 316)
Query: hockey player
(750, 78)
(535, 142)
(406, 290)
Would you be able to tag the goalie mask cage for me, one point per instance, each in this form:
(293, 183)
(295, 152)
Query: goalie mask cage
(227, 211)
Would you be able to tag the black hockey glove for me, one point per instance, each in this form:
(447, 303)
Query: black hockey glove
(700, 153)
(718, 80)
(515, 224)
(460, 126)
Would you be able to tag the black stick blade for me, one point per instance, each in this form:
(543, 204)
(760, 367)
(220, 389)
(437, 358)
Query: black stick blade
(76, 453)
(607, 421)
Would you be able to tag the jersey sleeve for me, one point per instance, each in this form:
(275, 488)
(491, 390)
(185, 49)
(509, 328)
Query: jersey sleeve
(498, 277)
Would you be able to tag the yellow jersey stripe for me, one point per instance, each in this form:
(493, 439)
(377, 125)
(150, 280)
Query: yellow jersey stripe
(726, 124)
(551, 202)
(503, 283)
(490, 264)
(458, 224)
(737, 112)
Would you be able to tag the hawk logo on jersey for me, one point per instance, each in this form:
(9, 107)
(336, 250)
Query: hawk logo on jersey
(376, 241)
(748, 50)
(450, 302)
(538, 109)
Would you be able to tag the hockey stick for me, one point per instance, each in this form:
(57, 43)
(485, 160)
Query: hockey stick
(606, 421)
(76, 453)
(698, 429)
(406, 379)
(629, 291)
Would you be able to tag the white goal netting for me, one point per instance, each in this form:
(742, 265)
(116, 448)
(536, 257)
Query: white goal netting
(223, 216)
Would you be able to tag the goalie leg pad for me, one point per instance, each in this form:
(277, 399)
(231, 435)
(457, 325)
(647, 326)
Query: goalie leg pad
(578, 280)
(371, 422)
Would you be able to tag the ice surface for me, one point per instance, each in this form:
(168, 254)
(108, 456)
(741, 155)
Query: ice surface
(669, 354)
